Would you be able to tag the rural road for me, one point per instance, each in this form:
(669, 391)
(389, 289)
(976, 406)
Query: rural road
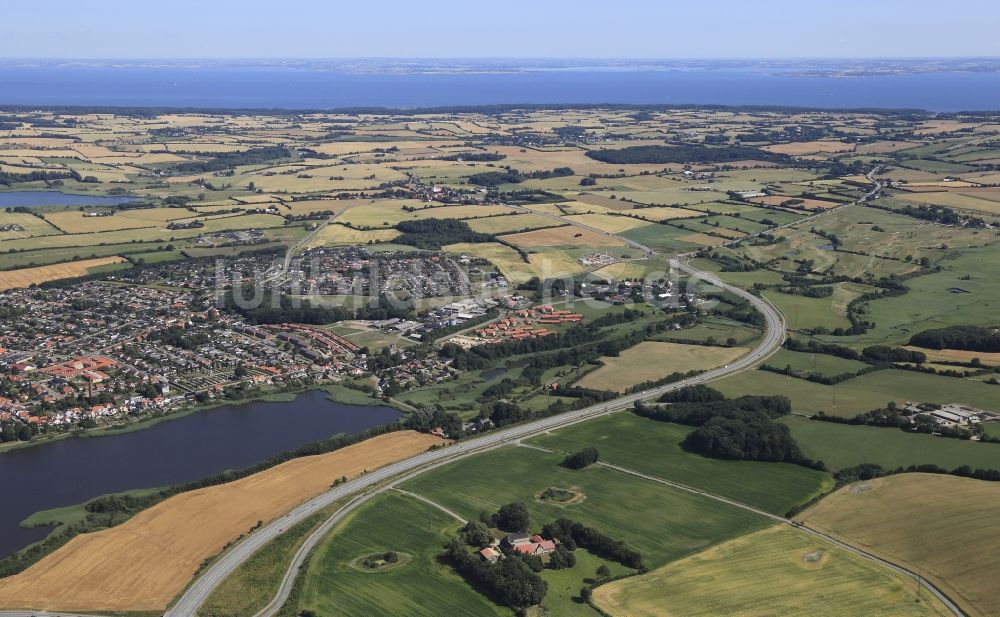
(373, 483)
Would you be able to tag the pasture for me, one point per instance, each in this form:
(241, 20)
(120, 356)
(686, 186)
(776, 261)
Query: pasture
(651, 360)
(942, 527)
(627, 440)
(860, 394)
(843, 445)
(814, 364)
(143, 563)
(779, 571)
(933, 300)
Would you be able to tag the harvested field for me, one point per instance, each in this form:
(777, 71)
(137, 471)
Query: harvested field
(554, 263)
(608, 223)
(390, 212)
(507, 224)
(142, 564)
(807, 204)
(779, 572)
(959, 355)
(943, 527)
(566, 235)
(74, 221)
(309, 206)
(631, 270)
(809, 147)
(503, 257)
(948, 199)
(339, 234)
(30, 224)
(651, 360)
(702, 239)
(26, 277)
(664, 213)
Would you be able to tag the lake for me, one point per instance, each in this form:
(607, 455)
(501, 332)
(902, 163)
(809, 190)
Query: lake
(270, 87)
(192, 447)
(32, 199)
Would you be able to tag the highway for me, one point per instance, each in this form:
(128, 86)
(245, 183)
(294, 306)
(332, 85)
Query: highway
(385, 478)
(363, 488)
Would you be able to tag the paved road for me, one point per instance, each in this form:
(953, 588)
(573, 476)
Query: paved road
(367, 486)
(382, 479)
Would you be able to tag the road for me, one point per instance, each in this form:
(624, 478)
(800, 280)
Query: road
(383, 479)
(363, 488)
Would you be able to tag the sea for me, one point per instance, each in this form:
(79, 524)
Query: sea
(338, 85)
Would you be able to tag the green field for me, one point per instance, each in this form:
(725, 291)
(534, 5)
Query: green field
(420, 586)
(653, 448)
(842, 445)
(717, 328)
(814, 363)
(861, 394)
(929, 304)
(661, 522)
(801, 312)
(778, 572)
(743, 279)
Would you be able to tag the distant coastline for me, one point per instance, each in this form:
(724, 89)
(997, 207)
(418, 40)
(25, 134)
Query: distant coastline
(937, 85)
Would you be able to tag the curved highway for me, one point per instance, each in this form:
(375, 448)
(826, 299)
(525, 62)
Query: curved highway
(373, 483)
(383, 479)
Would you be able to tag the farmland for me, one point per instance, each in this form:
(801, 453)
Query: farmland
(626, 440)
(939, 526)
(661, 522)
(651, 360)
(567, 235)
(143, 563)
(739, 577)
(421, 586)
(840, 445)
(32, 276)
(864, 393)
(527, 194)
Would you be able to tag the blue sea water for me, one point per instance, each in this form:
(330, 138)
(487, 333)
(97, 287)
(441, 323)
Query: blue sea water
(255, 87)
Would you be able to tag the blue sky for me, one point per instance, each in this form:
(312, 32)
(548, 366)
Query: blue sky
(514, 28)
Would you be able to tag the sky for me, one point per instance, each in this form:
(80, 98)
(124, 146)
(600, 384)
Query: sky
(661, 29)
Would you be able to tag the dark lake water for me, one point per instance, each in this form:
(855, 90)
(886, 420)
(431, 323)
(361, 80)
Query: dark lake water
(30, 199)
(239, 87)
(493, 373)
(72, 471)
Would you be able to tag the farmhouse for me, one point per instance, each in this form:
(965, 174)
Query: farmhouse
(525, 544)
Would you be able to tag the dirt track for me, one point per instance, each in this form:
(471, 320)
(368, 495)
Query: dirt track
(142, 564)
